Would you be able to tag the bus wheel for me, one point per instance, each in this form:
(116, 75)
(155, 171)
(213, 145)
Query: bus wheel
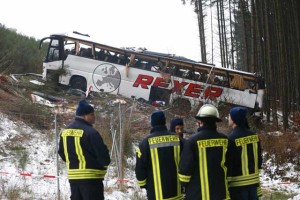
(78, 83)
(181, 106)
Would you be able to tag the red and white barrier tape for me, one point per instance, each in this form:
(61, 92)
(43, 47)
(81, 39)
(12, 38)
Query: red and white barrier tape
(50, 176)
(287, 182)
(31, 175)
(122, 180)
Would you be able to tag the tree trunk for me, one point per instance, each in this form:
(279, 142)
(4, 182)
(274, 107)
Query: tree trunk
(200, 17)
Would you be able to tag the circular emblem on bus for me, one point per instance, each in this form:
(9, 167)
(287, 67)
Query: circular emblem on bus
(106, 77)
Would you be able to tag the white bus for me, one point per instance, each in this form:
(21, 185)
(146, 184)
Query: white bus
(81, 63)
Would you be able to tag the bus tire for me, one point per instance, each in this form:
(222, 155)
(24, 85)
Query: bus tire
(78, 82)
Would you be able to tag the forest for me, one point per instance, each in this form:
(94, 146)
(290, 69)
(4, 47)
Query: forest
(260, 36)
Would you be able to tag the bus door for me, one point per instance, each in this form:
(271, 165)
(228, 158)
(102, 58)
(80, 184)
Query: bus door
(54, 57)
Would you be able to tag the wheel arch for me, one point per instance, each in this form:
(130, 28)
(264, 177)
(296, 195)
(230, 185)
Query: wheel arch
(78, 82)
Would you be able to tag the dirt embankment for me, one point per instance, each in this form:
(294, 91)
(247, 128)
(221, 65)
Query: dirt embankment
(8, 95)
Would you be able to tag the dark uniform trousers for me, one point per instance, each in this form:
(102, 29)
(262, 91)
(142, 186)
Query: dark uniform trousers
(87, 191)
(244, 193)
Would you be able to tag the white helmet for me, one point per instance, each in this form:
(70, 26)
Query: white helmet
(208, 111)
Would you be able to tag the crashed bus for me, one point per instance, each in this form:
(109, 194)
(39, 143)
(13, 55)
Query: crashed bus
(75, 60)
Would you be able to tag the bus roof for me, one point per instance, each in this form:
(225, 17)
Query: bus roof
(172, 58)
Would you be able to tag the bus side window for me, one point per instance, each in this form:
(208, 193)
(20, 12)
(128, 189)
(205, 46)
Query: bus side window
(153, 66)
(86, 52)
(101, 55)
(69, 48)
(224, 81)
(53, 54)
(149, 65)
(196, 76)
(217, 81)
(107, 56)
(189, 74)
(137, 63)
(82, 52)
(143, 65)
(174, 70)
(203, 77)
(113, 58)
(73, 51)
(123, 59)
(220, 79)
(157, 67)
(89, 53)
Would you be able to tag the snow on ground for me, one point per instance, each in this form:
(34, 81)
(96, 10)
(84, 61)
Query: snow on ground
(26, 150)
(39, 154)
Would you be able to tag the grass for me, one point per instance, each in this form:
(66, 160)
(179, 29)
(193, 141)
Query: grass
(21, 155)
(14, 191)
(276, 195)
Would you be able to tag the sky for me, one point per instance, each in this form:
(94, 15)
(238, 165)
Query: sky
(165, 26)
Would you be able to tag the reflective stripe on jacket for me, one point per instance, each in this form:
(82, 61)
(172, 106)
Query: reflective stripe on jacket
(244, 158)
(84, 152)
(157, 159)
(202, 168)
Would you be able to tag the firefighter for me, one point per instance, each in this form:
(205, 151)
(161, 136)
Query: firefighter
(202, 167)
(85, 154)
(244, 158)
(157, 159)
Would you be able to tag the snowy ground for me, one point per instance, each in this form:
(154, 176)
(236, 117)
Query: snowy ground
(37, 157)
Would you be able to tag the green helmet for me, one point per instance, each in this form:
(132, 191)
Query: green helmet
(208, 111)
